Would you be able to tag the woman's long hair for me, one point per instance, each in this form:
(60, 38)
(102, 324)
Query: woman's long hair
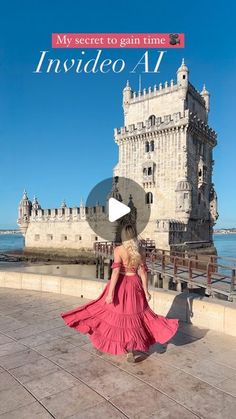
(130, 242)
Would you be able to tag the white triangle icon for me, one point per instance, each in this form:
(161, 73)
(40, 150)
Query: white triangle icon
(116, 209)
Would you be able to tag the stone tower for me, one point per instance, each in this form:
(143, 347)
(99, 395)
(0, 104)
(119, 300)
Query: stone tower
(24, 212)
(166, 146)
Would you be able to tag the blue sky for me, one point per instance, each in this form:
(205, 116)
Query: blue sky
(56, 130)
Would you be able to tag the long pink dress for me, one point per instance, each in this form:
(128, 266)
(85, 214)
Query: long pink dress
(128, 323)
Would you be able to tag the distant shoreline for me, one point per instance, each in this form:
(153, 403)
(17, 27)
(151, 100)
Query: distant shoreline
(224, 232)
(10, 232)
(220, 231)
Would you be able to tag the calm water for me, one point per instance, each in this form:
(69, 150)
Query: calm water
(225, 244)
(11, 242)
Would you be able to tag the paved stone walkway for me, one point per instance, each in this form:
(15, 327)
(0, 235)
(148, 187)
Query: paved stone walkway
(49, 370)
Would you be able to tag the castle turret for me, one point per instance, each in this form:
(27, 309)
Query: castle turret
(24, 212)
(182, 82)
(206, 96)
(213, 205)
(35, 204)
(183, 75)
(114, 193)
(127, 95)
(184, 198)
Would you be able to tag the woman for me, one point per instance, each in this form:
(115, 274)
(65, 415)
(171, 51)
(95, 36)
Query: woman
(120, 320)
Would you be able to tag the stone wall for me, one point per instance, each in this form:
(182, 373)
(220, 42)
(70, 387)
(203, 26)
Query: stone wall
(200, 311)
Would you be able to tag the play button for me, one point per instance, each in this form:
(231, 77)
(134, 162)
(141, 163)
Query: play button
(116, 210)
(114, 202)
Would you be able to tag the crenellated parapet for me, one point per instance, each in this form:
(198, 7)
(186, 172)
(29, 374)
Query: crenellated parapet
(66, 213)
(163, 89)
(199, 127)
(196, 94)
(161, 123)
(153, 91)
(29, 212)
(176, 120)
(182, 85)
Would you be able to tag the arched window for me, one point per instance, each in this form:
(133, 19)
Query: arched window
(145, 171)
(149, 171)
(149, 198)
(147, 147)
(152, 119)
(152, 145)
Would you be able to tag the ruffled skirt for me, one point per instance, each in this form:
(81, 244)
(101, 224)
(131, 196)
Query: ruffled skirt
(128, 323)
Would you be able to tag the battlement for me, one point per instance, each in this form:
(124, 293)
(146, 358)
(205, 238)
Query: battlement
(163, 89)
(195, 93)
(66, 214)
(154, 91)
(165, 122)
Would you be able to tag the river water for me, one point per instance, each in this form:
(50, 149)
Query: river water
(225, 245)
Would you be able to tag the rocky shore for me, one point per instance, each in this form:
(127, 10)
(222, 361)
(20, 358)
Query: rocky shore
(83, 257)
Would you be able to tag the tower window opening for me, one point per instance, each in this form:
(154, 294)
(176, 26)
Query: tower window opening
(204, 173)
(149, 171)
(147, 147)
(149, 198)
(145, 171)
(152, 145)
(152, 120)
(184, 77)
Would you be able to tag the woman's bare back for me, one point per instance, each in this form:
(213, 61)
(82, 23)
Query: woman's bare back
(124, 255)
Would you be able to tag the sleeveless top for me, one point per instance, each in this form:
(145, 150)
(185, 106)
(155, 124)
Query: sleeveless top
(129, 269)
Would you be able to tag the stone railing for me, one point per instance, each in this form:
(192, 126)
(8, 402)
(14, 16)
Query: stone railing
(189, 307)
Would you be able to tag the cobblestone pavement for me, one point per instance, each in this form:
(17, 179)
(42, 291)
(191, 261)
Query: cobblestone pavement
(49, 370)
